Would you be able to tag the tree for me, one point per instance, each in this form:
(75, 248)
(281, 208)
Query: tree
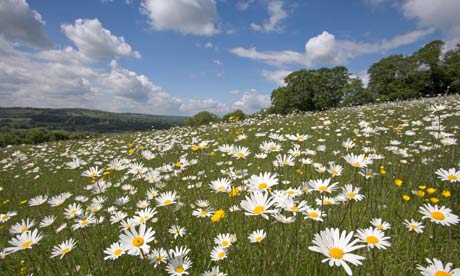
(452, 70)
(308, 90)
(201, 118)
(356, 94)
(236, 115)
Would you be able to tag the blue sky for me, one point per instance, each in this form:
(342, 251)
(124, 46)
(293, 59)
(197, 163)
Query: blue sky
(179, 57)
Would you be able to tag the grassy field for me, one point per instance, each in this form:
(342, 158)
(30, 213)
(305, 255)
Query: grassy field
(189, 187)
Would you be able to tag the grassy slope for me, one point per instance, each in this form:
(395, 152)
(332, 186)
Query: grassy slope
(285, 249)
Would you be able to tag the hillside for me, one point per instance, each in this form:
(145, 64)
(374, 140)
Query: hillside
(84, 120)
(374, 189)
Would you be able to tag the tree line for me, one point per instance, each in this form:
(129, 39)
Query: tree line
(427, 72)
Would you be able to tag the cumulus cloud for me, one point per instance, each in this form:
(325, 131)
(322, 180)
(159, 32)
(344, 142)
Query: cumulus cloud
(276, 58)
(21, 24)
(95, 42)
(276, 76)
(440, 14)
(276, 15)
(326, 49)
(193, 106)
(195, 17)
(252, 102)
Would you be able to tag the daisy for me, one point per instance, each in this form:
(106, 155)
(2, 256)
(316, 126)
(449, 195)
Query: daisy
(84, 221)
(215, 271)
(263, 181)
(7, 216)
(373, 237)
(314, 214)
(357, 161)
(322, 185)
(178, 266)
(24, 241)
(413, 225)
(114, 251)
(38, 200)
(73, 210)
(178, 252)
(240, 152)
(158, 256)
(352, 193)
(92, 172)
(335, 170)
(166, 198)
(63, 248)
(177, 231)
(282, 218)
(326, 201)
(221, 185)
(439, 215)
(136, 242)
(22, 227)
(451, 175)
(117, 217)
(145, 215)
(437, 268)
(223, 240)
(256, 204)
(218, 253)
(284, 160)
(379, 224)
(203, 213)
(337, 247)
(47, 221)
(257, 236)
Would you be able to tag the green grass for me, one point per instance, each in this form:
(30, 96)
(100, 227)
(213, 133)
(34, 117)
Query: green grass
(285, 249)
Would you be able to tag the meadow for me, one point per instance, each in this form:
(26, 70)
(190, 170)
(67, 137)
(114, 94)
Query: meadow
(370, 190)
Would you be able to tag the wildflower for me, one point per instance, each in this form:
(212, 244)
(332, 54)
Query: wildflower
(336, 247)
(352, 193)
(257, 236)
(379, 224)
(406, 197)
(215, 271)
(223, 240)
(398, 182)
(158, 256)
(373, 237)
(218, 253)
(256, 204)
(218, 215)
(114, 251)
(439, 214)
(221, 185)
(263, 181)
(166, 198)
(63, 248)
(323, 185)
(22, 227)
(413, 225)
(357, 161)
(178, 266)
(23, 241)
(437, 268)
(136, 242)
(177, 231)
(451, 175)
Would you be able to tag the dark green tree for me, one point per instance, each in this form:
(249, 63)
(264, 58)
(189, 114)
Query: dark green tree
(202, 118)
(236, 115)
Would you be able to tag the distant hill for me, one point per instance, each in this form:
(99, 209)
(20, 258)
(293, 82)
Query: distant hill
(83, 120)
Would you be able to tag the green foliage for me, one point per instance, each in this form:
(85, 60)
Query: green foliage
(11, 136)
(201, 118)
(309, 90)
(237, 115)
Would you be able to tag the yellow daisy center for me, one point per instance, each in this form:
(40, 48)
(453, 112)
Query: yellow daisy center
(203, 212)
(313, 214)
(452, 177)
(240, 154)
(137, 242)
(159, 258)
(73, 212)
(442, 273)
(27, 244)
(322, 188)
(356, 164)
(180, 269)
(84, 222)
(258, 210)
(372, 239)
(224, 243)
(65, 250)
(380, 227)
(327, 202)
(336, 253)
(262, 186)
(438, 215)
(351, 195)
(294, 208)
(4, 217)
(412, 226)
(258, 239)
(117, 252)
(167, 202)
(290, 192)
(23, 229)
(221, 255)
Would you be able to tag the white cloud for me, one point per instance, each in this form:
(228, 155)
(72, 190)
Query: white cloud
(19, 23)
(234, 92)
(194, 106)
(276, 76)
(95, 42)
(196, 17)
(244, 5)
(440, 14)
(252, 102)
(326, 49)
(276, 15)
(276, 58)
(63, 78)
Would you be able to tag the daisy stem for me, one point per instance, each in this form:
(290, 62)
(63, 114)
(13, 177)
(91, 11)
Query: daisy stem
(29, 254)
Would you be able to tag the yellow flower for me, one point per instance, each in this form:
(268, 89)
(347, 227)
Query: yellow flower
(420, 193)
(406, 197)
(299, 171)
(213, 153)
(23, 201)
(422, 187)
(6, 201)
(446, 193)
(141, 147)
(434, 200)
(234, 192)
(195, 148)
(131, 152)
(382, 171)
(398, 182)
(218, 215)
(431, 191)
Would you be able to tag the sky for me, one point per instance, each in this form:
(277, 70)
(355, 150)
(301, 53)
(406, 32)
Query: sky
(179, 57)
